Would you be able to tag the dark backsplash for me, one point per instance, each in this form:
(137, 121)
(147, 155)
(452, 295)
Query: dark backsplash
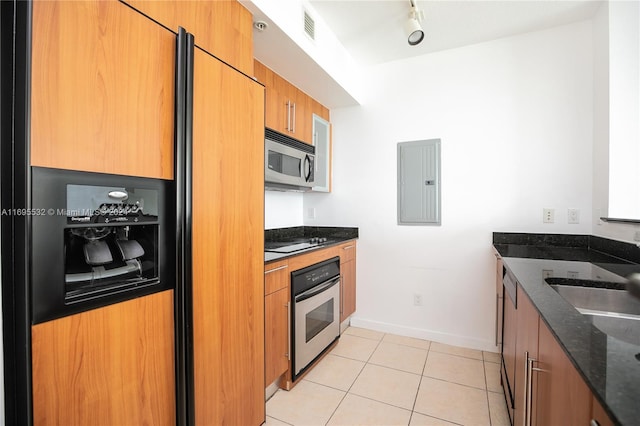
(627, 251)
(300, 232)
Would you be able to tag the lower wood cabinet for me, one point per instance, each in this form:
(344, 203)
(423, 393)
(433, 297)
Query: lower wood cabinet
(562, 396)
(598, 416)
(108, 366)
(278, 298)
(276, 311)
(276, 334)
(348, 281)
(526, 353)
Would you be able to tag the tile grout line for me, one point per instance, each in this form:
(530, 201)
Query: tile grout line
(365, 364)
(486, 384)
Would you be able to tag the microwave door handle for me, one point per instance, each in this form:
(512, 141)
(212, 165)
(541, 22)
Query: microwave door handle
(317, 290)
(307, 166)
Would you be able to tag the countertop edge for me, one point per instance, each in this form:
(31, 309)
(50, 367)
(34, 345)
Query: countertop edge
(275, 257)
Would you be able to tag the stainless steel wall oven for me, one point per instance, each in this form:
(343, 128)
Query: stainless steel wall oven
(315, 294)
(98, 239)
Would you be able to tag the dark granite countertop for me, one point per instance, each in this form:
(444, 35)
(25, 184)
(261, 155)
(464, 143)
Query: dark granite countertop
(610, 366)
(334, 236)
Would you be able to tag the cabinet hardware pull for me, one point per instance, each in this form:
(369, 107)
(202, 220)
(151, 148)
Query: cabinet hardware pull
(497, 316)
(539, 370)
(341, 294)
(594, 422)
(288, 126)
(288, 354)
(348, 247)
(528, 390)
(294, 118)
(276, 269)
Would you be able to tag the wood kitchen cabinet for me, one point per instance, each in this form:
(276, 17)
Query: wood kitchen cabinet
(223, 28)
(110, 366)
(562, 396)
(599, 416)
(228, 244)
(509, 334)
(277, 334)
(288, 109)
(277, 310)
(102, 89)
(499, 298)
(526, 349)
(276, 275)
(347, 253)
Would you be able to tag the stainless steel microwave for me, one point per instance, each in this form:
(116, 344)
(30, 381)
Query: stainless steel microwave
(289, 163)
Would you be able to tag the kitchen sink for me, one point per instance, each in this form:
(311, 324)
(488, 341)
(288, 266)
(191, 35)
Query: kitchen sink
(607, 305)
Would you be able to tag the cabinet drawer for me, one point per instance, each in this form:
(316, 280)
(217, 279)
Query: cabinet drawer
(304, 260)
(347, 251)
(276, 276)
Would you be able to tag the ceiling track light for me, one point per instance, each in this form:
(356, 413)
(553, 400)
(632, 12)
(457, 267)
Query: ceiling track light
(412, 27)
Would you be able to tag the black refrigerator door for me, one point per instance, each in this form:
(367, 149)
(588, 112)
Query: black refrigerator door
(185, 409)
(15, 68)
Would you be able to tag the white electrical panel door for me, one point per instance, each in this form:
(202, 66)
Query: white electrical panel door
(419, 182)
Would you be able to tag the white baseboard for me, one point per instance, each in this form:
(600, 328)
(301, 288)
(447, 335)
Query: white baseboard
(432, 335)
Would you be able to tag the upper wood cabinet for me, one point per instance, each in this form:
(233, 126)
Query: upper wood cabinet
(102, 89)
(109, 366)
(288, 109)
(223, 28)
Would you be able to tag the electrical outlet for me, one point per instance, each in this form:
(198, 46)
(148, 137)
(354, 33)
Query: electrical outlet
(311, 213)
(417, 299)
(573, 274)
(636, 237)
(573, 216)
(547, 215)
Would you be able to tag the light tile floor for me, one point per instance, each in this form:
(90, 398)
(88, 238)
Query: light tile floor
(373, 378)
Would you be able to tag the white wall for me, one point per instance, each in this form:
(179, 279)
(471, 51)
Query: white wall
(515, 119)
(282, 209)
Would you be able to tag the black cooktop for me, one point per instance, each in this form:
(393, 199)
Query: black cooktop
(295, 245)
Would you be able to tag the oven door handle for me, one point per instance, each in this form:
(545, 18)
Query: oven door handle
(317, 290)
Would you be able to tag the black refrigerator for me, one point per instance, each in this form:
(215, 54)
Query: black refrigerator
(219, 232)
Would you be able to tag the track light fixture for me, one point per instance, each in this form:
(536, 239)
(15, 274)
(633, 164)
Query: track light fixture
(412, 27)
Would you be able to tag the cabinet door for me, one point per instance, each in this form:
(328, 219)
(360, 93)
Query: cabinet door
(111, 366)
(499, 299)
(102, 89)
(302, 117)
(526, 348)
(562, 397)
(228, 244)
(275, 113)
(599, 416)
(509, 349)
(277, 334)
(276, 276)
(223, 28)
(348, 287)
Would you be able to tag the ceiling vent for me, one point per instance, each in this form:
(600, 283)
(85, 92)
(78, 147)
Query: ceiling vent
(309, 26)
